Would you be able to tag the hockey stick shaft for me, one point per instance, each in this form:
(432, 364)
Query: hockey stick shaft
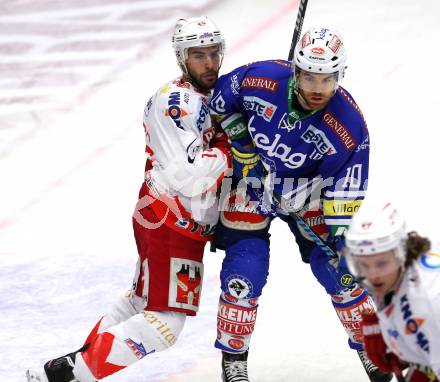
(303, 224)
(298, 218)
(298, 26)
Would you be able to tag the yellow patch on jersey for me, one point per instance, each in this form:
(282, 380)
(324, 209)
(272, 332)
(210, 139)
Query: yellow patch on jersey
(165, 89)
(341, 207)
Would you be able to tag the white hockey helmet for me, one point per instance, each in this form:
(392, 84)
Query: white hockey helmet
(321, 50)
(375, 229)
(195, 32)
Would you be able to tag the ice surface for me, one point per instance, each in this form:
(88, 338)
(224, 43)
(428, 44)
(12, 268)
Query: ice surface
(74, 80)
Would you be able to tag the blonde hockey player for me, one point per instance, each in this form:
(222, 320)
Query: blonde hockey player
(402, 271)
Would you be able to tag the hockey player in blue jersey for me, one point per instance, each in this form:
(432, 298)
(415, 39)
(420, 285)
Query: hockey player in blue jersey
(300, 146)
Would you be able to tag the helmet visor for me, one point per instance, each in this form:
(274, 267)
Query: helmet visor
(377, 273)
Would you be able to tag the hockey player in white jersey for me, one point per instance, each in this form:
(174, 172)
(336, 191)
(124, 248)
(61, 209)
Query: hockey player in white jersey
(174, 217)
(402, 271)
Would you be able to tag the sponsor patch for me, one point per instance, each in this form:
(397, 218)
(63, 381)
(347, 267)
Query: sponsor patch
(234, 126)
(318, 50)
(334, 44)
(346, 279)
(284, 123)
(317, 137)
(165, 332)
(277, 149)
(350, 316)
(185, 283)
(206, 35)
(413, 325)
(341, 207)
(340, 130)
(137, 348)
(260, 83)
(364, 145)
(203, 113)
(430, 261)
(236, 320)
(322, 34)
(306, 40)
(315, 220)
(174, 111)
(236, 342)
(262, 108)
(235, 86)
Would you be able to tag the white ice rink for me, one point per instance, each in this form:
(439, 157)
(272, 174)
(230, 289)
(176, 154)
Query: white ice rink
(72, 159)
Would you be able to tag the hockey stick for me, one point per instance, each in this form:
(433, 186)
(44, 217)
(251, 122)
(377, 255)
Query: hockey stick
(298, 218)
(303, 224)
(298, 26)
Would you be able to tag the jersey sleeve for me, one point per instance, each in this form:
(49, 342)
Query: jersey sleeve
(347, 183)
(203, 173)
(178, 130)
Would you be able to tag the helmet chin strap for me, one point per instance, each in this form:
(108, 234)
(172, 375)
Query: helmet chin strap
(303, 102)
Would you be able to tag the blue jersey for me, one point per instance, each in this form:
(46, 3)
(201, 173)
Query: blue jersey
(326, 152)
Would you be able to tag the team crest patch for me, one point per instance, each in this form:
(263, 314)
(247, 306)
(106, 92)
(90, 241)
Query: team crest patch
(185, 284)
(239, 286)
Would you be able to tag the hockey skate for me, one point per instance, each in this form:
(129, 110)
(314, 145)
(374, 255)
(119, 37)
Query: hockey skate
(372, 370)
(234, 367)
(55, 370)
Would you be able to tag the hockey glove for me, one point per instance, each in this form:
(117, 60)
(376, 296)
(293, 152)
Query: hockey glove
(246, 163)
(375, 346)
(221, 141)
(418, 373)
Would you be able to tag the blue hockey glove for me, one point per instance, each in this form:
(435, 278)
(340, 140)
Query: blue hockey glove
(246, 163)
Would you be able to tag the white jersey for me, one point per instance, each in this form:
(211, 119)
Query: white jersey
(182, 170)
(410, 325)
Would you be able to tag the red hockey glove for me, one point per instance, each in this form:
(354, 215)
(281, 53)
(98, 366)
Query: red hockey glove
(220, 140)
(375, 346)
(418, 373)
